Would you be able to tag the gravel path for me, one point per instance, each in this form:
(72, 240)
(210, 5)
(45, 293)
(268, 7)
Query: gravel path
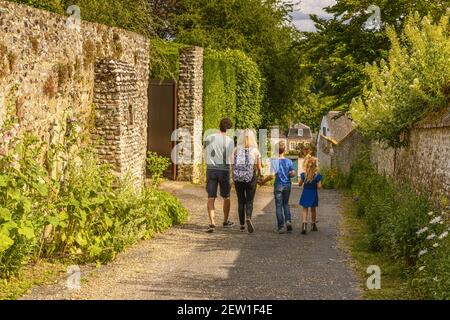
(187, 263)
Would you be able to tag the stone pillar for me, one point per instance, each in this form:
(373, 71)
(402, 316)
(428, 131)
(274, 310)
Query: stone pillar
(190, 111)
(120, 119)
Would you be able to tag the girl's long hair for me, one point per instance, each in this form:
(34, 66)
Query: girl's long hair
(310, 169)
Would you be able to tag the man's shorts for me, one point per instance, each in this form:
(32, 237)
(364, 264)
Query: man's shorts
(216, 178)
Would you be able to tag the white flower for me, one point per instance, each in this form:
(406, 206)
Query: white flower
(77, 129)
(430, 213)
(431, 236)
(436, 220)
(443, 235)
(422, 231)
(435, 245)
(15, 157)
(421, 268)
(435, 278)
(422, 252)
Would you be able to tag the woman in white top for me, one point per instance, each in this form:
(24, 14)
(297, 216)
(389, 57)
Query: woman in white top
(246, 169)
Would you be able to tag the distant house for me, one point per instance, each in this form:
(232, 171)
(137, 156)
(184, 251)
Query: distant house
(337, 141)
(294, 136)
(299, 134)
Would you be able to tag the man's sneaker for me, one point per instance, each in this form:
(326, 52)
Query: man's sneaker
(250, 227)
(289, 227)
(280, 231)
(228, 224)
(211, 228)
(242, 228)
(314, 227)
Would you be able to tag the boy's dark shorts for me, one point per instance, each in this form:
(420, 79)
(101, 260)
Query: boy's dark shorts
(216, 178)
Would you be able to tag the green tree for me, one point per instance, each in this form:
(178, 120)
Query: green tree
(336, 54)
(133, 15)
(414, 81)
(260, 28)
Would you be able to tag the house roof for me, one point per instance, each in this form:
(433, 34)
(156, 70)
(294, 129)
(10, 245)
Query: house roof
(293, 132)
(340, 125)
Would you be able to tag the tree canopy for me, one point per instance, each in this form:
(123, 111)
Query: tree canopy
(335, 55)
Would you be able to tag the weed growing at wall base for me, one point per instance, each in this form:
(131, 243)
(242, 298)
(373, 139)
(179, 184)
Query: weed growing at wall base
(402, 226)
(82, 214)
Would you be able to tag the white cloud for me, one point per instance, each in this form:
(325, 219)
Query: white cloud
(302, 11)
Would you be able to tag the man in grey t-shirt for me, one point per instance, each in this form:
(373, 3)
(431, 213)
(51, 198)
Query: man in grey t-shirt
(218, 151)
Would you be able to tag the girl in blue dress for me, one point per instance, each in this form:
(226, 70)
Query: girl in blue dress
(311, 182)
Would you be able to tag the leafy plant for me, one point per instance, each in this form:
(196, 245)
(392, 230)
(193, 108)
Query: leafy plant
(413, 82)
(332, 178)
(81, 213)
(234, 88)
(157, 165)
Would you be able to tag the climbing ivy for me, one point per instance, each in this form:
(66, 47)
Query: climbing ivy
(233, 87)
(165, 59)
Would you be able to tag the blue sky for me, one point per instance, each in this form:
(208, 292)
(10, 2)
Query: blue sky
(305, 8)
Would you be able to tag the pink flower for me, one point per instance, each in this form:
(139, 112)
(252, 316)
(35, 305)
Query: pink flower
(3, 150)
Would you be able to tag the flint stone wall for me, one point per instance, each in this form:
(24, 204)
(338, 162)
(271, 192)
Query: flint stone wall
(190, 112)
(425, 163)
(52, 66)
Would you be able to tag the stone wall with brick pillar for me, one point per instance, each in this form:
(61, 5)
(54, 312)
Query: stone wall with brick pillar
(190, 112)
(48, 70)
(120, 118)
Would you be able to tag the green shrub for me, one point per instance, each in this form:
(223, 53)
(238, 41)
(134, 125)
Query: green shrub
(398, 224)
(333, 178)
(414, 81)
(233, 87)
(157, 165)
(431, 278)
(165, 59)
(83, 213)
(50, 5)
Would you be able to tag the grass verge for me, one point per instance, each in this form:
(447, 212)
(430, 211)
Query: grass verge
(33, 275)
(394, 277)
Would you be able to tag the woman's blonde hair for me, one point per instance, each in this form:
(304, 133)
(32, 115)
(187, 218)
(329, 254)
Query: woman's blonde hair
(247, 139)
(311, 168)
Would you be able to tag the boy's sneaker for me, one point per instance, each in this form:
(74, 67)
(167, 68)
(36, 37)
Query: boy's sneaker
(228, 224)
(242, 228)
(289, 227)
(211, 228)
(314, 227)
(280, 231)
(250, 227)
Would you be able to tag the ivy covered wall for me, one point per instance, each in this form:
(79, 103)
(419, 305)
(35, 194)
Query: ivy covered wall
(233, 87)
